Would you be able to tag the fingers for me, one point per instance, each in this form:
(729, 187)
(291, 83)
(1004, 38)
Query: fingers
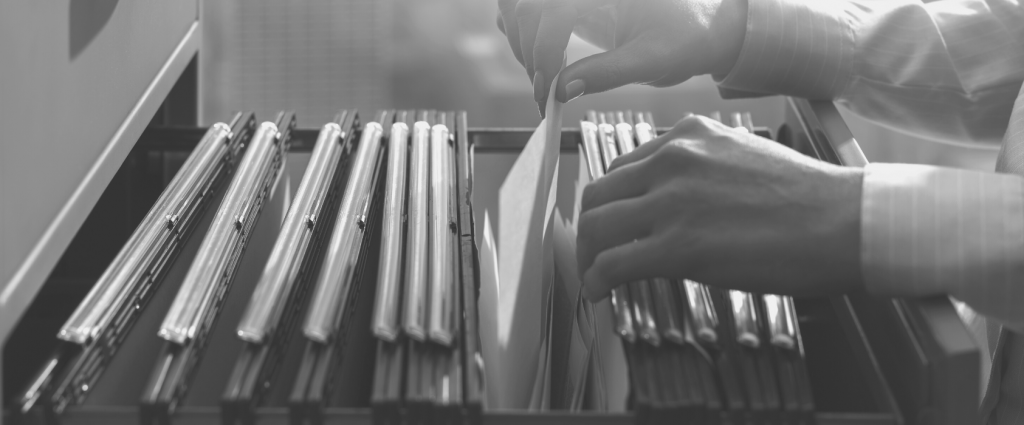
(627, 183)
(609, 226)
(628, 64)
(621, 264)
(509, 26)
(556, 26)
(687, 127)
(597, 26)
(528, 14)
(641, 153)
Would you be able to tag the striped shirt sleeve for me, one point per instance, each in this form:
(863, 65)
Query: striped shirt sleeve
(802, 48)
(949, 69)
(931, 230)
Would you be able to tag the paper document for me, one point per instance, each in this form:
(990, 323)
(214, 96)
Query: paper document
(488, 305)
(525, 202)
(571, 362)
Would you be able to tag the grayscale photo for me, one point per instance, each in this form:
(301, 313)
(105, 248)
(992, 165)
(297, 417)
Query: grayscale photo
(504, 212)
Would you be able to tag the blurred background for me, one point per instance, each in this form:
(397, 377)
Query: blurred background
(318, 56)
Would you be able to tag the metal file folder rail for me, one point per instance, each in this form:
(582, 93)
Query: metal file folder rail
(427, 349)
(331, 275)
(282, 293)
(94, 332)
(198, 303)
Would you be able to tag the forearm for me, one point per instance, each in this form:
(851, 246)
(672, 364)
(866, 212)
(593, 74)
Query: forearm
(949, 69)
(801, 48)
(929, 230)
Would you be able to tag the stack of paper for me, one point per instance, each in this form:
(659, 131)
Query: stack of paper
(544, 346)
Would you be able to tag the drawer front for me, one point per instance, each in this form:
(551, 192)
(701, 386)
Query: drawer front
(70, 74)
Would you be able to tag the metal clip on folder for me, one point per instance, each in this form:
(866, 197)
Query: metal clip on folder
(334, 284)
(699, 320)
(702, 311)
(670, 382)
(197, 304)
(699, 376)
(473, 381)
(416, 267)
(388, 375)
(782, 370)
(96, 329)
(600, 151)
(442, 286)
(749, 358)
(788, 355)
(698, 299)
(435, 365)
(340, 285)
(700, 367)
(662, 289)
(236, 357)
(639, 291)
(282, 292)
(389, 278)
(782, 331)
(745, 318)
(781, 321)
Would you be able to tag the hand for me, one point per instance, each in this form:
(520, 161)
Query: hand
(655, 42)
(722, 207)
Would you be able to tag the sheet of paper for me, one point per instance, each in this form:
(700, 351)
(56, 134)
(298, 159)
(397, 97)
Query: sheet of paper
(540, 399)
(488, 304)
(578, 380)
(563, 309)
(564, 241)
(582, 179)
(612, 364)
(580, 343)
(525, 202)
(608, 382)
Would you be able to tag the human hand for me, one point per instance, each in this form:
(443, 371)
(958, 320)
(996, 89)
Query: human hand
(723, 207)
(655, 42)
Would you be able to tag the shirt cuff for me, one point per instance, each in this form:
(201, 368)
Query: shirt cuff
(928, 230)
(800, 48)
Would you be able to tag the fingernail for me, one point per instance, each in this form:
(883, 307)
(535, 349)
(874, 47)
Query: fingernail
(574, 89)
(540, 108)
(538, 86)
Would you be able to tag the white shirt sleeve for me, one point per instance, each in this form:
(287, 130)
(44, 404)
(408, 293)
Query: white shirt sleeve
(949, 69)
(930, 230)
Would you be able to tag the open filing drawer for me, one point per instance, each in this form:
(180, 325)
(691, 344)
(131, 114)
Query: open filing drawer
(870, 361)
(105, 67)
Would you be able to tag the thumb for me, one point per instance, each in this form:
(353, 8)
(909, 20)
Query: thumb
(627, 64)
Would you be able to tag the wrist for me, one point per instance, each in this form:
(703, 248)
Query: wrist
(841, 227)
(730, 27)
